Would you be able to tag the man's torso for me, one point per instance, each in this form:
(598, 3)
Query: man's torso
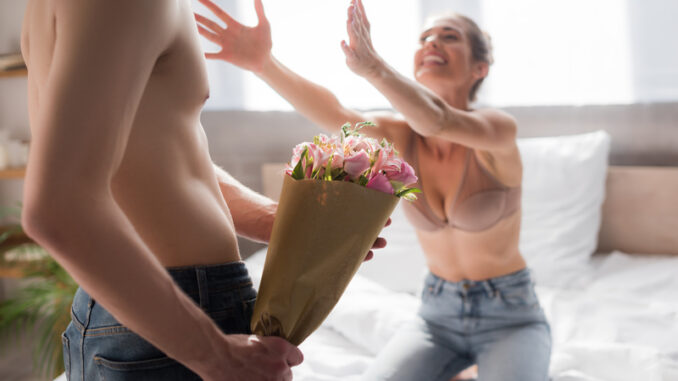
(165, 183)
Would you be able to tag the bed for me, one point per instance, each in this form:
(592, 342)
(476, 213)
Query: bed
(602, 244)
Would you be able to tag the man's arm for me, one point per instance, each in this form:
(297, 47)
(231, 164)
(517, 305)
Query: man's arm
(104, 54)
(253, 214)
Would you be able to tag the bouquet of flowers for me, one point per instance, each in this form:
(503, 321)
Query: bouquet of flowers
(337, 194)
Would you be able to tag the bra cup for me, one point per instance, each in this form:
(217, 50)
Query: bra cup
(480, 211)
(417, 217)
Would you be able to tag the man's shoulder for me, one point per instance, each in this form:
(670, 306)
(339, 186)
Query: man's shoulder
(144, 19)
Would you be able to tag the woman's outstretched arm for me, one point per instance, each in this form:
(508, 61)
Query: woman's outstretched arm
(427, 113)
(250, 48)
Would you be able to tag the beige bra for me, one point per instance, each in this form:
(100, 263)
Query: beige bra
(481, 201)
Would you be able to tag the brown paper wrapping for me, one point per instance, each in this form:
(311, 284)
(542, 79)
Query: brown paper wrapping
(321, 234)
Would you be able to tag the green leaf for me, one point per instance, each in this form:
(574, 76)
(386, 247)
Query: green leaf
(360, 125)
(328, 169)
(408, 191)
(362, 180)
(345, 130)
(397, 186)
(298, 171)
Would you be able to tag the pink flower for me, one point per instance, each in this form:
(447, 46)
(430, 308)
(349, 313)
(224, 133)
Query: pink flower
(404, 175)
(356, 164)
(320, 156)
(338, 159)
(386, 161)
(380, 182)
(367, 144)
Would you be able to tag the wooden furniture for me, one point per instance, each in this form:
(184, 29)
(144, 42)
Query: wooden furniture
(13, 73)
(14, 240)
(12, 173)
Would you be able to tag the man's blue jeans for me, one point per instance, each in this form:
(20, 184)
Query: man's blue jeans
(97, 347)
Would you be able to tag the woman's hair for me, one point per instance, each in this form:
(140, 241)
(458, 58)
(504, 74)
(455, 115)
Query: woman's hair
(480, 41)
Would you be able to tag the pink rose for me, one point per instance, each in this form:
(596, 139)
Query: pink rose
(380, 182)
(356, 164)
(405, 174)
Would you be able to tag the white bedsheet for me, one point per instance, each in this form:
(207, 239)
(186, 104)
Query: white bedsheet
(618, 322)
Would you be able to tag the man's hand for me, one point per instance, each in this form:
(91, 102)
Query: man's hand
(246, 47)
(254, 358)
(380, 243)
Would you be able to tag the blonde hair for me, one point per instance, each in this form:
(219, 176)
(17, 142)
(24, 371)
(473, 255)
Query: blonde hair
(480, 41)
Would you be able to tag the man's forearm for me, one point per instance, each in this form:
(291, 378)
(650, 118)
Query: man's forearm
(253, 214)
(94, 241)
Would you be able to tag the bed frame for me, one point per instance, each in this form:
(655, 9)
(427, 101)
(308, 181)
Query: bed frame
(640, 212)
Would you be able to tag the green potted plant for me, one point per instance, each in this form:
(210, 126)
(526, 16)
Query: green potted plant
(41, 305)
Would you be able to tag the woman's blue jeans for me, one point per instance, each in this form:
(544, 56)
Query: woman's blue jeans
(496, 323)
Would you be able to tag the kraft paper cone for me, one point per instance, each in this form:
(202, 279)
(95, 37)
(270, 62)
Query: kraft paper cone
(321, 234)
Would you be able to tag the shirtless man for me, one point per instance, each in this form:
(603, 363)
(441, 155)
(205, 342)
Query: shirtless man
(120, 186)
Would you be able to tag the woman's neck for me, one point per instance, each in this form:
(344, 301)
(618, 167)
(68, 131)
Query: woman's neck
(455, 96)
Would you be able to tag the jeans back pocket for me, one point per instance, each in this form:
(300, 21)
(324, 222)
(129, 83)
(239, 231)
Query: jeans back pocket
(162, 368)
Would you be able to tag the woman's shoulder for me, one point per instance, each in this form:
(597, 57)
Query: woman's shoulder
(496, 116)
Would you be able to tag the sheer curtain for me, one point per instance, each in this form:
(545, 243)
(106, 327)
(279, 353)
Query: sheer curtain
(547, 52)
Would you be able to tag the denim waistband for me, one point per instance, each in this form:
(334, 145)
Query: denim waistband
(437, 284)
(226, 274)
(229, 282)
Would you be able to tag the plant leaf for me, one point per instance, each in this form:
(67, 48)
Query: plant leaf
(408, 191)
(298, 171)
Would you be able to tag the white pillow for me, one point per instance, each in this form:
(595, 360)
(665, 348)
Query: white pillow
(563, 192)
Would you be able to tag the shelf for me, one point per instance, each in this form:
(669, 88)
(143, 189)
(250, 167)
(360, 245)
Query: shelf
(12, 173)
(17, 269)
(13, 73)
(11, 272)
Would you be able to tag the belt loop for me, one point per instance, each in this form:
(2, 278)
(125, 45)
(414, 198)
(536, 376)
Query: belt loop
(490, 288)
(201, 277)
(90, 307)
(438, 286)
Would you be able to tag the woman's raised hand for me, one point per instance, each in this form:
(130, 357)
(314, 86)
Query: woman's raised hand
(243, 46)
(361, 57)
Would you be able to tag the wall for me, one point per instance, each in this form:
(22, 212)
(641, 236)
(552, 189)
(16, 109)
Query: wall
(13, 96)
(241, 140)
(643, 134)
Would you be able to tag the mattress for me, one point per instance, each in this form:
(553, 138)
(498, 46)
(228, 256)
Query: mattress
(619, 321)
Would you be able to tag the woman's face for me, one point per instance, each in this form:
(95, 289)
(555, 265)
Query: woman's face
(444, 56)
